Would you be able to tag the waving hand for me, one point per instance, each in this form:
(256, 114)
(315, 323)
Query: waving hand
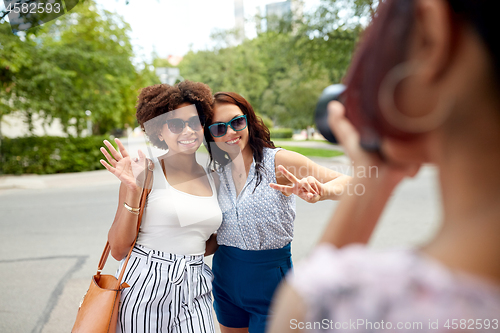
(129, 171)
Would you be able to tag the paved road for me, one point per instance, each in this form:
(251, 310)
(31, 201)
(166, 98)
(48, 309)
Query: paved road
(53, 229)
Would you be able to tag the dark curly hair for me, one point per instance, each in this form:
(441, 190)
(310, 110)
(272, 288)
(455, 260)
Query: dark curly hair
(155, 101)
(258, 134)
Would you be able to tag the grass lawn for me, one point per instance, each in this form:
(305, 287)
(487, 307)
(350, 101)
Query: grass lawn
(315, 152)
(290, 139)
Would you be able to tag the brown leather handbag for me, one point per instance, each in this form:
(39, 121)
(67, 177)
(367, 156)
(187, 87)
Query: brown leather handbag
(98, 312)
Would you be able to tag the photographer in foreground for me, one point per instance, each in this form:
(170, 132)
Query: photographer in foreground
(423, 88)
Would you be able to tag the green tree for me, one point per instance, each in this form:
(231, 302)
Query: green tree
(291, 100)
(283, 70)
(81, 61)
(333, 14)
(238, 69)
(14, 58)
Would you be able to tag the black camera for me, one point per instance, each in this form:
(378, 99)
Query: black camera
(331, 93)
(369, 137)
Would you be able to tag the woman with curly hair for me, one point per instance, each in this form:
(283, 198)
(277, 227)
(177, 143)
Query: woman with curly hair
(170, 286)
(258, 210)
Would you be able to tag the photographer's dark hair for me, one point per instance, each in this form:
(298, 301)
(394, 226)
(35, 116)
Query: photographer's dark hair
(385, 46)
(258, 134)
(155, 101)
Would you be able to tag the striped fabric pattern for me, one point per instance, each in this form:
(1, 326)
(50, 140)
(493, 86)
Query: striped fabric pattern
(167, 293)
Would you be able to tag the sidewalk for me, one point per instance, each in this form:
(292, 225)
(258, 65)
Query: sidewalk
(62, 180)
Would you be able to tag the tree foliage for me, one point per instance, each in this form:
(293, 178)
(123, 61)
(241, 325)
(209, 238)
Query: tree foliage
(283, 71)
(81, 61)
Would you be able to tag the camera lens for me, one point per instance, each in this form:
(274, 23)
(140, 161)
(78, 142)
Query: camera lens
(331, 93)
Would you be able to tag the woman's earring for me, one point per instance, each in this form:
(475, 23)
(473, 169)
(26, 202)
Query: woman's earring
(396, 118)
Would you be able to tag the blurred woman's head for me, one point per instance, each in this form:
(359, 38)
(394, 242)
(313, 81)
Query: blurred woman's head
(174, 114)
(426, 69)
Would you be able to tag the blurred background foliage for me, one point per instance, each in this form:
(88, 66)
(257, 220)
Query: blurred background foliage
(84, 61)
(283, 71)
(50, 154)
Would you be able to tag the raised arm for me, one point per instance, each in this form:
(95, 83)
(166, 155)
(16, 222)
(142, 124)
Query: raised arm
(123, 231)
(354, 218)
(358, 212)
(124, 228)
(297, 174)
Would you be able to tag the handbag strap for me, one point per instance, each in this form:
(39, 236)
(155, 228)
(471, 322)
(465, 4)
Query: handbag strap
(107, 248)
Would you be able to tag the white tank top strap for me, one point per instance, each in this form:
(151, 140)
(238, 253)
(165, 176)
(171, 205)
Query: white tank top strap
(171, 225)
(158, 175)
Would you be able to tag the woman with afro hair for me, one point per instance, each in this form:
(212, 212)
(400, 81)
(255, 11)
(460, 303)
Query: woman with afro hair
(170, 286)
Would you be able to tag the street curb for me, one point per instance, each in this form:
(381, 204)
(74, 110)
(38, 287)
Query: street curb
(61, 180)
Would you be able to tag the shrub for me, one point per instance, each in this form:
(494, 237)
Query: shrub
(281, 133)
(49, 154)
(267, 121)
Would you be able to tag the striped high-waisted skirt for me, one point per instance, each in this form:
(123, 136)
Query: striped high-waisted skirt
(167, 293)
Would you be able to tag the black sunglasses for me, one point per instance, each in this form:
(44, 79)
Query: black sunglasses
(177, 125)
(220, 129)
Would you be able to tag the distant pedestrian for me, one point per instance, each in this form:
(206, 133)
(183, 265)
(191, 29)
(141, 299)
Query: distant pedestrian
(309, 132)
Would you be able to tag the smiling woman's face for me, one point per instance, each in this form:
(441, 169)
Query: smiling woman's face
(187, 140)
(233, 141)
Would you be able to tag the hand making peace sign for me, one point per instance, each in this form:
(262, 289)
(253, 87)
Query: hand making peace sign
(308, 188)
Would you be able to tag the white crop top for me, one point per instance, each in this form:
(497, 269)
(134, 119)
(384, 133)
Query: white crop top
(175, 221)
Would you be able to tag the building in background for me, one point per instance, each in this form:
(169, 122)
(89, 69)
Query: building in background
(297, 7)
(258, 20)
(279, 9)
(174, 60)
(285, 11)
(239, 20)
(264, 17)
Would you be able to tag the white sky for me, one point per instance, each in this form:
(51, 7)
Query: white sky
(175, 26)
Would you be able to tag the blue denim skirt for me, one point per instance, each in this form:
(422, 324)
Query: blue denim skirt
(244, 284)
